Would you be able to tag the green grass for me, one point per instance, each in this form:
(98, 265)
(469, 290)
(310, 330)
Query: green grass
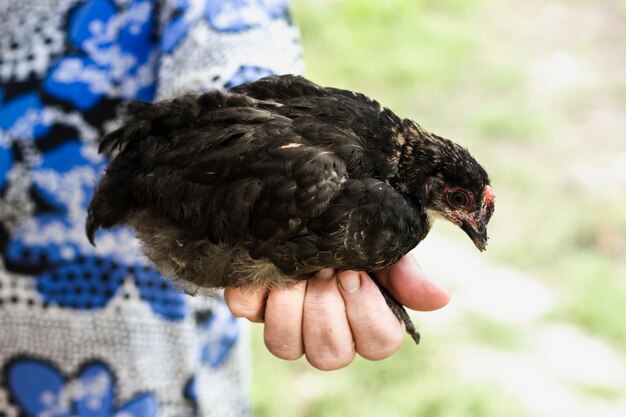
(497, 122)
(414, 46)
(598, 391)
(415, 382)
(496, 334)
(595, 295)
(456, 68)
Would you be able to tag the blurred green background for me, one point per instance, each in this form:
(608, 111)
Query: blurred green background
(537, 91)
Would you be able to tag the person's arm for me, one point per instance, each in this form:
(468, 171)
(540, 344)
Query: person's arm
(332, 318)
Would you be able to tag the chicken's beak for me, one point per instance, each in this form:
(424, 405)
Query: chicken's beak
(477, 234)
(476, 229)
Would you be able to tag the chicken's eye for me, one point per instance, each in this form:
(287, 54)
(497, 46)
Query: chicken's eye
(458, 198)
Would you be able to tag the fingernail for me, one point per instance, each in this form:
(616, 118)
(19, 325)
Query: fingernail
(350, 281)
(325, 273)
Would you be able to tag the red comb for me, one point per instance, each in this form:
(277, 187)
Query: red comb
(489, 196)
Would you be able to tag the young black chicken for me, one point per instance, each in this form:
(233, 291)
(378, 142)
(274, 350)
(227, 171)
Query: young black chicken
(272, 181)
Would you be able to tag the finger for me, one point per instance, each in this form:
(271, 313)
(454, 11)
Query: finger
(283, 321)
(244, 303)
(328, 342)
(325, 273)
(406, 281)
(376, 330)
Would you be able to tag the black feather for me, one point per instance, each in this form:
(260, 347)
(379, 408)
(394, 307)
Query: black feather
(270, 182)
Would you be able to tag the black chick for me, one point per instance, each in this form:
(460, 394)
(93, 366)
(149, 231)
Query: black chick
(272, 181)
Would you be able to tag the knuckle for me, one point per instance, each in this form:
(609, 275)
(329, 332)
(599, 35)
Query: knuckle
(325, 362)
(324, 306)
(241, 308)
(237, 309)
(283, 350)
(382, 346)
(379, 352)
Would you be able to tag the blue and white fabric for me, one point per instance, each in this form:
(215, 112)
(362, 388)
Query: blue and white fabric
(96, 331)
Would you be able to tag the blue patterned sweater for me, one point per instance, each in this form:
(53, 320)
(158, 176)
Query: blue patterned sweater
(95, 332)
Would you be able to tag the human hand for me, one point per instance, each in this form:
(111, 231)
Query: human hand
(337, 314)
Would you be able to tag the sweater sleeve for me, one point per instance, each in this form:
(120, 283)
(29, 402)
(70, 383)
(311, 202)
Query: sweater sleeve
(208, 44)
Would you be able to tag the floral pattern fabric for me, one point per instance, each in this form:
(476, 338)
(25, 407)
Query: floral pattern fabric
(96, 331)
